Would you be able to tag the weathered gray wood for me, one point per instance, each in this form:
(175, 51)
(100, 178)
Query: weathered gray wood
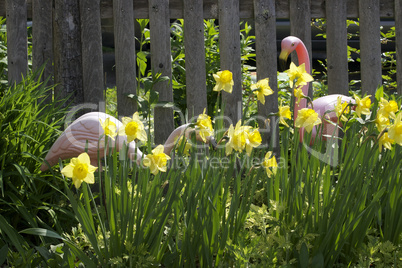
(67, 51)
(161, 63)
(92, 56)
(370, 45)
(42, 39)
(246, 9)
(300, 19)
(17, 40)
(196, 89)
(125, 56)
(266, 60)
(398, 41)
(229, 46)
(337, 51)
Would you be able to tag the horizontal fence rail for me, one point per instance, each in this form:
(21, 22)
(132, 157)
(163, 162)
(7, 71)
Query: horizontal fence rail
(72, 42)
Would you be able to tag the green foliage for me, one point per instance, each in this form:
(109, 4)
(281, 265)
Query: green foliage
(331, 203)
(29, 127)
(137, 223)
(379, 254)
(388, 59)
(212, 60)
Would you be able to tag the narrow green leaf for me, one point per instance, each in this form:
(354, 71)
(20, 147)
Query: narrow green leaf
(379, 93)
(42, 232)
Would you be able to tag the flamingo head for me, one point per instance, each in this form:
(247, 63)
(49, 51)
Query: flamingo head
(288, 45)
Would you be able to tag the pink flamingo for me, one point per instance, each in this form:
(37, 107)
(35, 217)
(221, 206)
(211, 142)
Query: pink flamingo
(320, 105)
(86, 131)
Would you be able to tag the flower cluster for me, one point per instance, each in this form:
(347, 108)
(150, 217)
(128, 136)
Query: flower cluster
(242, 137)
(388, 120)
(156, 161)
(133, 128)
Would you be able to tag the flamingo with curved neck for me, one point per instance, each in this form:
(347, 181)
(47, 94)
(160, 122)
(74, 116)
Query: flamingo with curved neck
(320, 105)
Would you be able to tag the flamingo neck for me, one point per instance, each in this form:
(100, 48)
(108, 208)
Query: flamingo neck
(303, 57)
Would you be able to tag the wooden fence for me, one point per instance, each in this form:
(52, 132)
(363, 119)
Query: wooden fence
(68, 33)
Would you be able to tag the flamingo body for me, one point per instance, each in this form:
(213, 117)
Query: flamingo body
(86, 131)
(321, 106)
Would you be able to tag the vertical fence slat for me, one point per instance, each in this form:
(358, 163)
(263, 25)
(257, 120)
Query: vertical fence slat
(266, 61)
(42, 39)
(67, 50)
(370, 45)
(337, 51)
(398, 41)
(92, 56)
(300, 26)
(161, 63)
(195, 57)
(229, 46)
(124, 50)
(17, 40)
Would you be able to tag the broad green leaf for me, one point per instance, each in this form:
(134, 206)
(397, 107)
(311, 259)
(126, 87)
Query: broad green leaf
(318, 261)
(303, 256)
(3, 254)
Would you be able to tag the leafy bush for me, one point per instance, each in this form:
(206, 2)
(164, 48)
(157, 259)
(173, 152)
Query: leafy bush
(28, 128)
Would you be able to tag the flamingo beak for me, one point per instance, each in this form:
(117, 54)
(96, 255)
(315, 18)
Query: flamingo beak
(283, 57)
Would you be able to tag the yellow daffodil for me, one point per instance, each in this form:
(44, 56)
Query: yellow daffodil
(133, 128)
(204, 125)
(182, 141)
(299, 74)
(395, 130)
(157, 160)
(237, 138)
(253, 140)
(342, 108)
(363, 105)
(224, 81)
(385, 141)
(109, 127)
(270, 162)
(307, 118)
(298, 92)
(284, 112)
(388, 108)
(262, 89)
(80, 169)
(382, 121)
